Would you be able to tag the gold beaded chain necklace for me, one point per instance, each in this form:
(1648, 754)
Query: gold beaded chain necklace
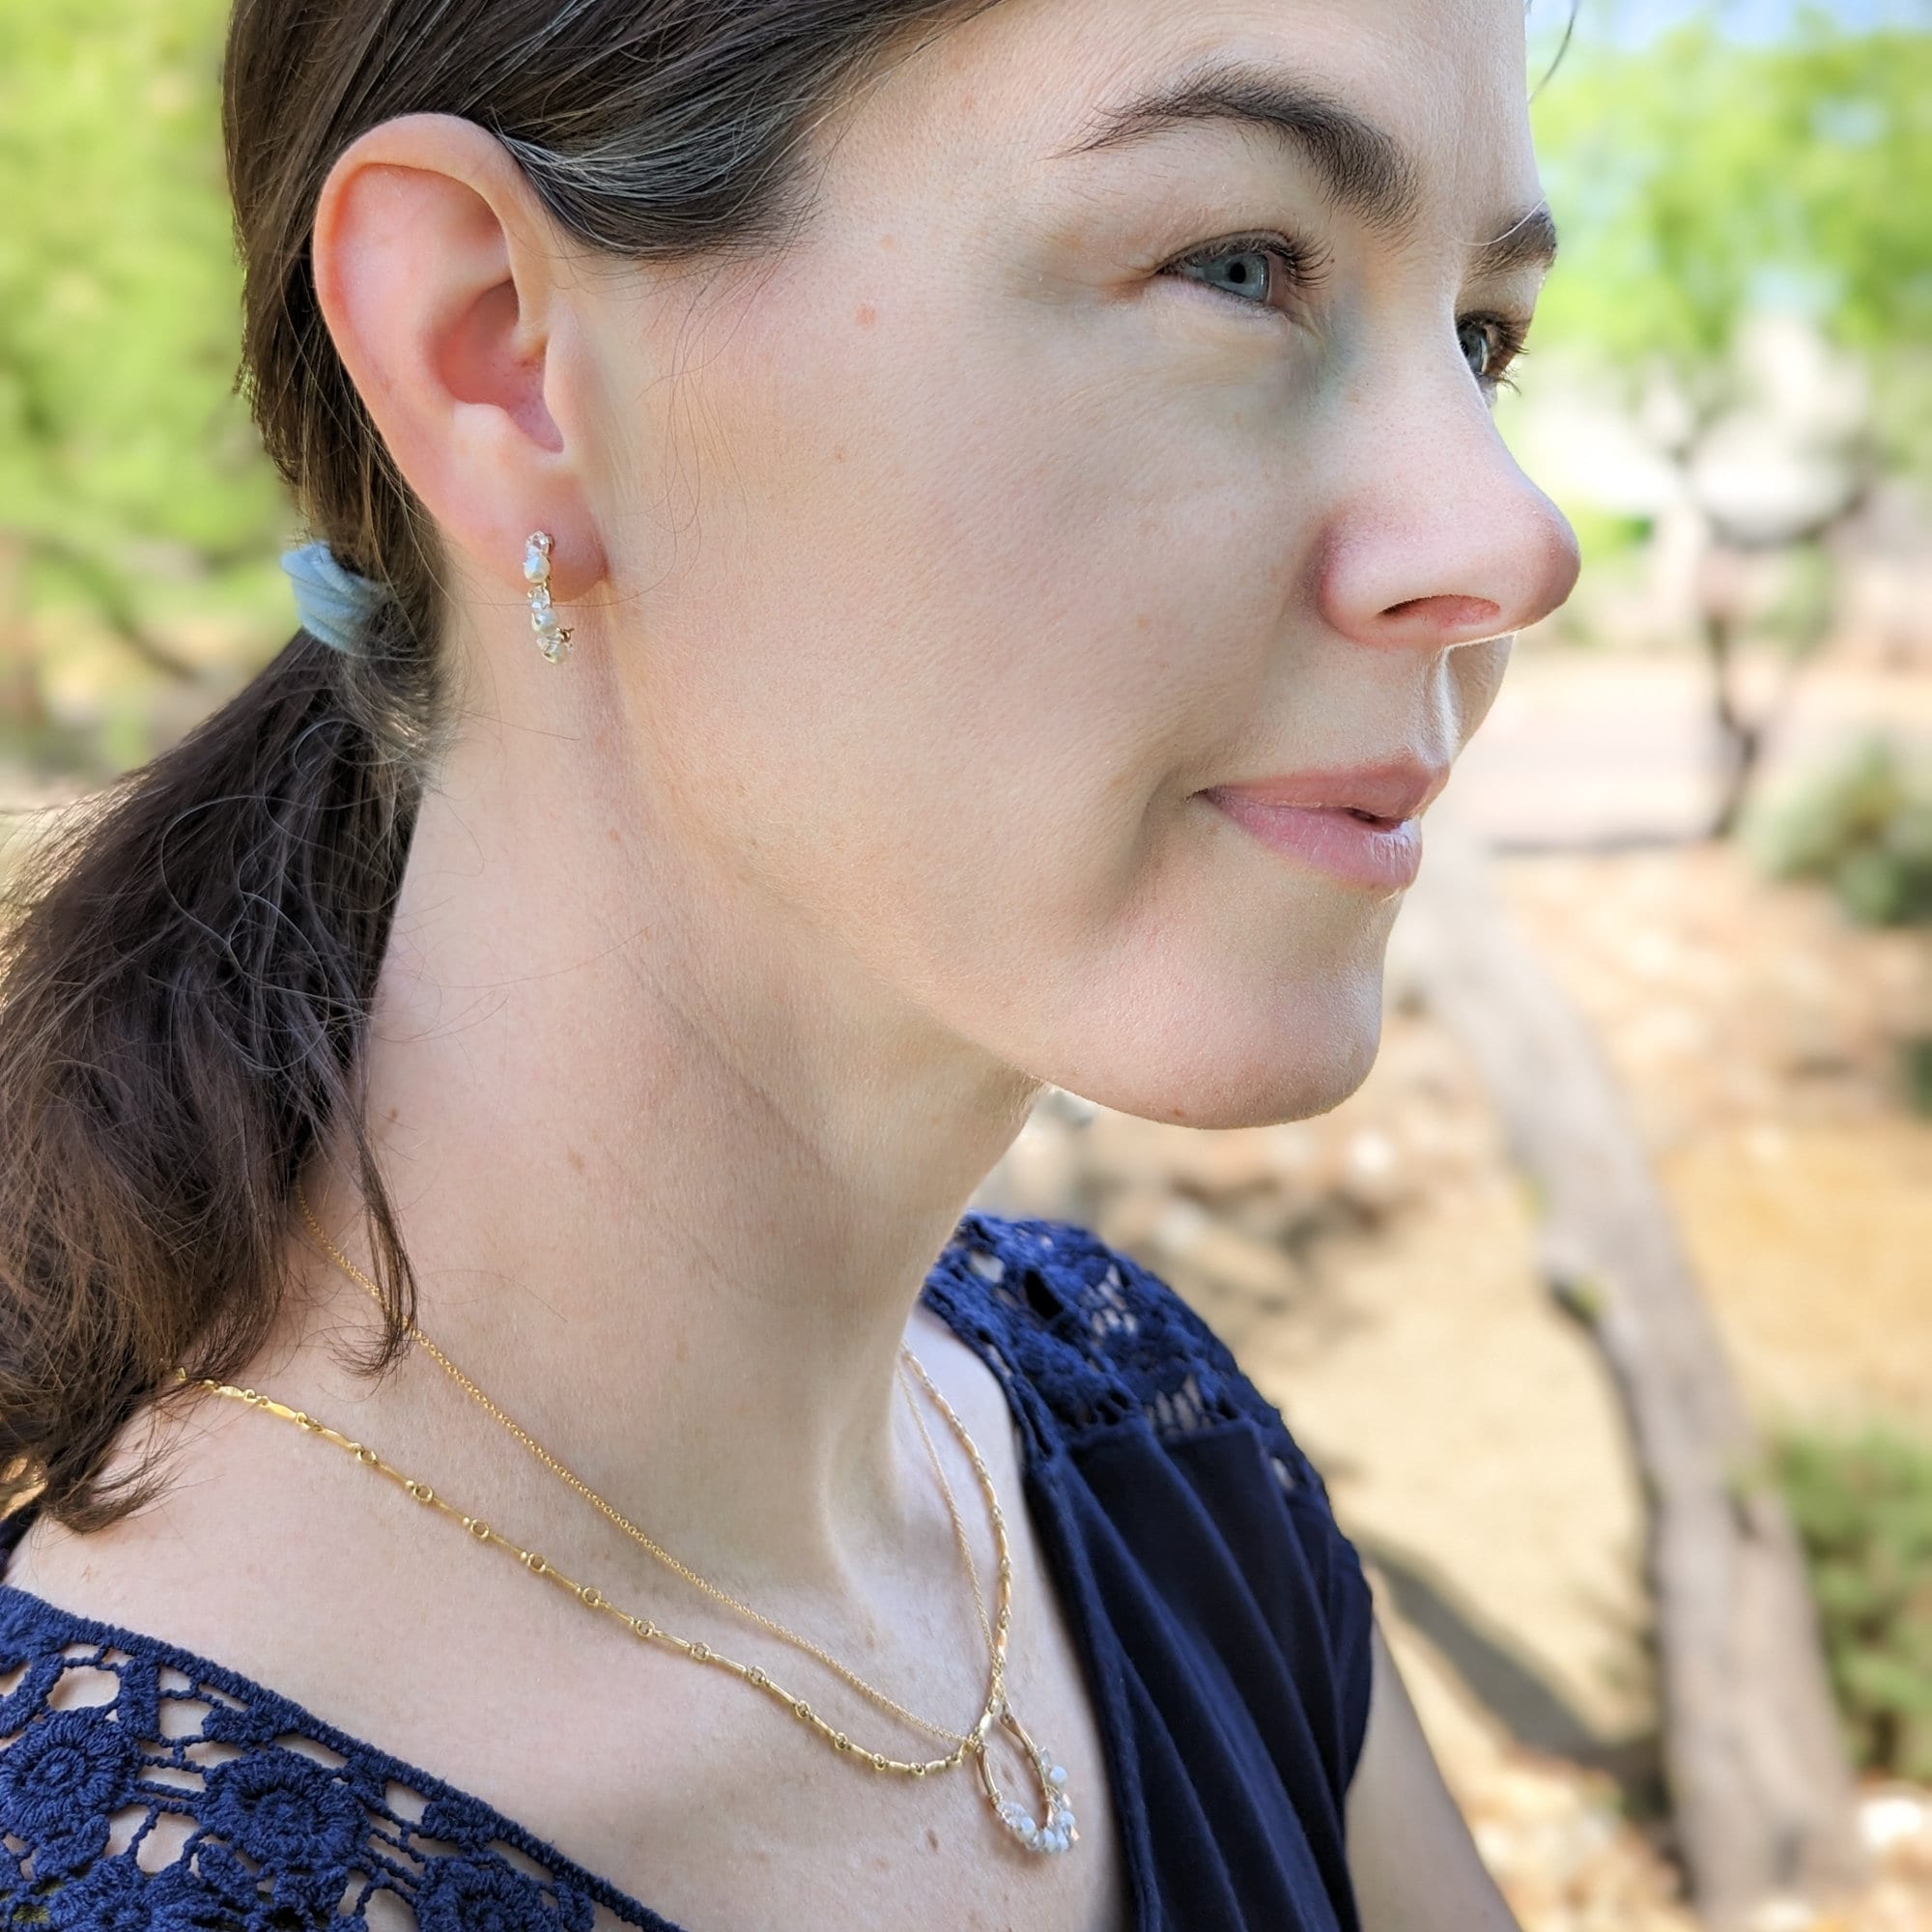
(1056, 1830)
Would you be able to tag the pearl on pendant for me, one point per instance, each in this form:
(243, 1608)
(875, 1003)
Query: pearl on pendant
(1054, 1831)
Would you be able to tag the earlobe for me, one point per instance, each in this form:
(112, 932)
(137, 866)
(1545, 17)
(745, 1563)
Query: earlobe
(434, 281)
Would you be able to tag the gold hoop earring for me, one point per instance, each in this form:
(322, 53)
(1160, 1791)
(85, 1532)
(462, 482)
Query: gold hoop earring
(552, 637)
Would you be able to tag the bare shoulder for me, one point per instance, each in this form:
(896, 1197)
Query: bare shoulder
(298, 1575)
(1415, 1865)
(248, 1557)
(160, 1561)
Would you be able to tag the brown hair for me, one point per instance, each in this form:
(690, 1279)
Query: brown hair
(190, 955)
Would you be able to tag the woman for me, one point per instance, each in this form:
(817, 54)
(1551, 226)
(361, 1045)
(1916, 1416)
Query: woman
(870, 556)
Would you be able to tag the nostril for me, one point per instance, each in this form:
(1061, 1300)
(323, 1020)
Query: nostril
(1447, 613)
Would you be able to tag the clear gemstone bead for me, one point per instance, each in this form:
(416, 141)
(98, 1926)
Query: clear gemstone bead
(536, 564)
(1057, 1776)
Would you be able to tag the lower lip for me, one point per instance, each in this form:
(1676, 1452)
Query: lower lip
(1331, 840)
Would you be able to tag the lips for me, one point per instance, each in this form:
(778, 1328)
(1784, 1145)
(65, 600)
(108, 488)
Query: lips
(1356, 823)
(1385, 853)
(1385, 793)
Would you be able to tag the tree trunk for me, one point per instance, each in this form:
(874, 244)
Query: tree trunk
(1752, 1746)
(1741, 739)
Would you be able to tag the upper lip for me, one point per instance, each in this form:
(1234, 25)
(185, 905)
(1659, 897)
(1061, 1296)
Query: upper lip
(1395, 788)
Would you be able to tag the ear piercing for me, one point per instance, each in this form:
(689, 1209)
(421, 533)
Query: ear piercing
(552, 637)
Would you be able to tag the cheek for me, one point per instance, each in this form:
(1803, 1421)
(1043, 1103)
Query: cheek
(1476, 675)
(944, 629)
(952, 624)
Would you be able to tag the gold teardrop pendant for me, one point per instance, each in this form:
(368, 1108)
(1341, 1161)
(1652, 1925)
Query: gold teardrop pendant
(1054, 1829)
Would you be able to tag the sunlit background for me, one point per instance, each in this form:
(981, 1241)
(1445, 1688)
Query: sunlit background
(1649, 1141)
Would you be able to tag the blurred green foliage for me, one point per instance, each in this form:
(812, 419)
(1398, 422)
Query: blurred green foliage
(118, 290)
(1696, 179)
(1862, 1504)
(1916, 1058)
(1864, 824)
(132, 486)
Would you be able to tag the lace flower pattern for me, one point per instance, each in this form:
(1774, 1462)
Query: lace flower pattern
(1088, 1341)
(143, 1791)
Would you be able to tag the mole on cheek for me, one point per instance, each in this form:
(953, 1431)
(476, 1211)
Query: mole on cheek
(866, 315)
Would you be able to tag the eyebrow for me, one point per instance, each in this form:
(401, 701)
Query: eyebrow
(1529, 241)
(1364, 168)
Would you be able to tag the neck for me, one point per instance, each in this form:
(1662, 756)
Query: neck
(670, 1194)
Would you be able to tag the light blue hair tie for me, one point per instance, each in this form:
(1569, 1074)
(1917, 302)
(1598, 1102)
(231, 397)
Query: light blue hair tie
(334, 604)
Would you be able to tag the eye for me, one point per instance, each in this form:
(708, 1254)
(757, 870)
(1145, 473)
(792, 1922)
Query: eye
(1254, 269)
(1490, 344)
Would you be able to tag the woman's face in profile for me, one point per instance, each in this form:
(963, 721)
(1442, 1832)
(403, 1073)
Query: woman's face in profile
(1049, 480)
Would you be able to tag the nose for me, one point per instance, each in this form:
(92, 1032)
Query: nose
(1444, 540)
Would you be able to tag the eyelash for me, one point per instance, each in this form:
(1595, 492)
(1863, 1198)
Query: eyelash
(1509, 351)
(1307, 271)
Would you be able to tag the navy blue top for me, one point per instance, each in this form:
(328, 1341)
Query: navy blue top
(1222, 1619)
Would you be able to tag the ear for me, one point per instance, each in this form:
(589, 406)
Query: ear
(436, 270)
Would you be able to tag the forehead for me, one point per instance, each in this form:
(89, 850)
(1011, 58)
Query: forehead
(1039, 79)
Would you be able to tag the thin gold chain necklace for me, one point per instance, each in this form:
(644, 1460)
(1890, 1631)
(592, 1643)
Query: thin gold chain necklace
(1056, 1830)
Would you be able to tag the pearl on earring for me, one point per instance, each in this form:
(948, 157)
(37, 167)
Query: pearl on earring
(552, 637)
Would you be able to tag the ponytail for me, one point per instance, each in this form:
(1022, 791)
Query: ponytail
(188, 969)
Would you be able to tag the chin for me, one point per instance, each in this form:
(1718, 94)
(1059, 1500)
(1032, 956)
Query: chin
(1297, 1051)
